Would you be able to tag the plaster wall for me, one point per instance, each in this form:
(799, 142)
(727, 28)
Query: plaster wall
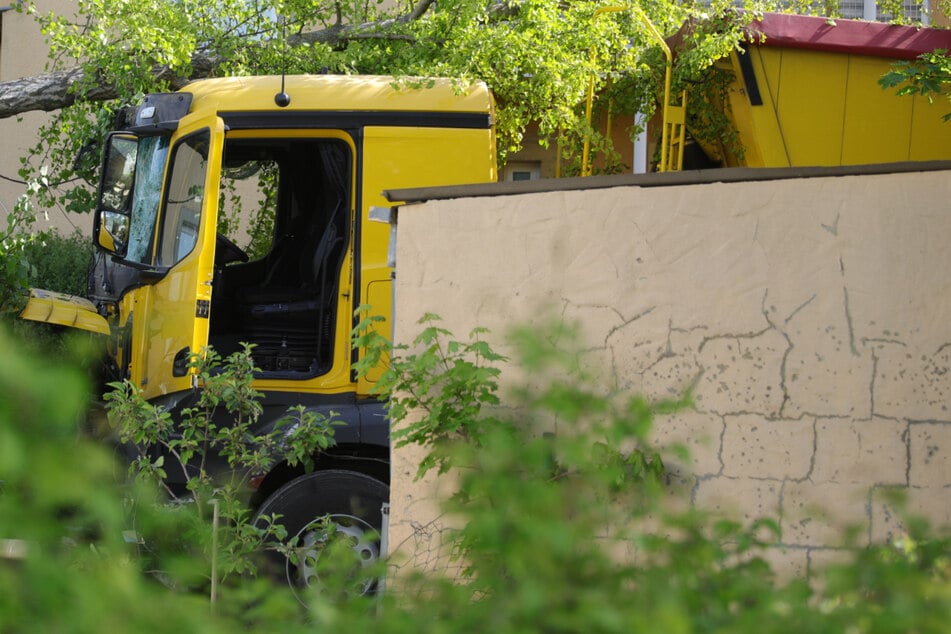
(812, 315)
(23, 53)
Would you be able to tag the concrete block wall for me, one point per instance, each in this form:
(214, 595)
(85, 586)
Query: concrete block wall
(812, 316)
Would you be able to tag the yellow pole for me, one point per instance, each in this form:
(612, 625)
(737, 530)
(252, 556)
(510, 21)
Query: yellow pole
(668, 74)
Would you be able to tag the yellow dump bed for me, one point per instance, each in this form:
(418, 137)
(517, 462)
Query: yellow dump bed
(806, 93)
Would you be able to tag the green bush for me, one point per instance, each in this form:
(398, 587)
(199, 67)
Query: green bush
(150, 432)
(45, 260)
(563, 515)
(65, 565)
(15, 239)
(59, 263)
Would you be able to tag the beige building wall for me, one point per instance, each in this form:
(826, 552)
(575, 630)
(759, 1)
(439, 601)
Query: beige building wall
(23, 53)
(813, 316)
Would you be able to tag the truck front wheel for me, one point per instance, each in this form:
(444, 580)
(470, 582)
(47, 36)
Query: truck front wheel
(321, 511)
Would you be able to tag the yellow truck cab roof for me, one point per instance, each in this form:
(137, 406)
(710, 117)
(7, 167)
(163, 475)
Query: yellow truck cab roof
(339, 93)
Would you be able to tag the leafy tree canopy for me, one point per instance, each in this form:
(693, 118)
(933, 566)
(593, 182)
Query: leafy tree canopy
(537, 56)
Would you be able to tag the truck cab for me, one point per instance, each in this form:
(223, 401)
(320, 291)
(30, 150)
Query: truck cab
(237, 211)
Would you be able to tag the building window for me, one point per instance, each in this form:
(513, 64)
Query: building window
(522, 171)
(916, 10)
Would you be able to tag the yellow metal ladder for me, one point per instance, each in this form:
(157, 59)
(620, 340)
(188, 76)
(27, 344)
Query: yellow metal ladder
(674, 117)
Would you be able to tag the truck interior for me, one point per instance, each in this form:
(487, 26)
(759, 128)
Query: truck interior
(281, 297)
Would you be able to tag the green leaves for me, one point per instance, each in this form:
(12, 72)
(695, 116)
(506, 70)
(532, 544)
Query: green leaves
(223, 421)
(558, 527)
(537, 56)
(448, 381)
(927, 76)
(304, 433)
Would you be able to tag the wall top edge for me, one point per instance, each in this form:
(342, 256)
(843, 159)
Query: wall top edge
(667, 179)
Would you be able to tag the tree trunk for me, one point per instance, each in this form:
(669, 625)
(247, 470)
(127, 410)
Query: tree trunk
(55, 90)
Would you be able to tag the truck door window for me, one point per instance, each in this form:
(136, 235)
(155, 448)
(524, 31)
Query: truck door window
(132, 174)
(248, 204)
(119, 175)
(182, 214)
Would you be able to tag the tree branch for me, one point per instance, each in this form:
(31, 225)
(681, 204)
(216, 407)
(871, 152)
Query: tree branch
(46, 92)
(339, 34)
(55, 90)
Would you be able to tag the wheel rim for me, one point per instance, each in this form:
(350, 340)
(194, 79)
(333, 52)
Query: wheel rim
(312, 541)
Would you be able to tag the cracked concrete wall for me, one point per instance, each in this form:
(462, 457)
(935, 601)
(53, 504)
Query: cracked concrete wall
(813, 317)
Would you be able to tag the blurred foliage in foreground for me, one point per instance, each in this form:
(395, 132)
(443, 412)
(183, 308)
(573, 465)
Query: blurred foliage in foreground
(566, 524)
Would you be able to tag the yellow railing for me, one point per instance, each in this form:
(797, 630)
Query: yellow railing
(674, 117)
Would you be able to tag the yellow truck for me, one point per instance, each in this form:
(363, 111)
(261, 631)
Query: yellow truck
(181, 170)
(166, 281)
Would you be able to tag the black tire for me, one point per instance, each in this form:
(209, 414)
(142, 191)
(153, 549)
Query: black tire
(349, 501)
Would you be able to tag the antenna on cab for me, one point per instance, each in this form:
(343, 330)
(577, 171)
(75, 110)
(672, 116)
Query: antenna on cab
(282, 99)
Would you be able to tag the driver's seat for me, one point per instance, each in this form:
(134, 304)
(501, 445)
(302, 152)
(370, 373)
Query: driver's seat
(290, 313)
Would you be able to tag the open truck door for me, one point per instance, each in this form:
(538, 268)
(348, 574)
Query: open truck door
(158, 208)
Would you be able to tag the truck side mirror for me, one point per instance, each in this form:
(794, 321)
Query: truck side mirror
(113, 232)
(111, 229)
